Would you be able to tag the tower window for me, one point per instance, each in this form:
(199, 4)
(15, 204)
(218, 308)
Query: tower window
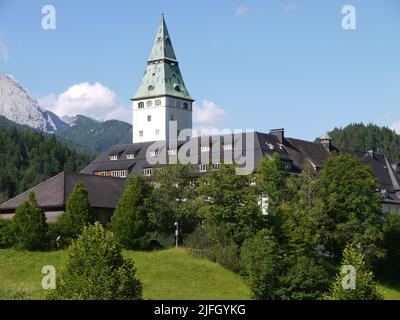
(158, 102)
(140, 133)
(171, 117)
(185, 106)
(141, 105)
(149, 103)
(178, 104)
(157, 132)
(150, 87)
(177, 88)
(148, 118)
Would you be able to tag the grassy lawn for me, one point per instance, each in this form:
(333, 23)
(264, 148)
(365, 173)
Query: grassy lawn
(166, 274)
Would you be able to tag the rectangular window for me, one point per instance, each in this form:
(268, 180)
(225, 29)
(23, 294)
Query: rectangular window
(216, 166)
(228, 146)
(102, 173)
(148, 172)
(203, 168)
(157, 132)
(140, 133)
(114, 157)
(148, 118)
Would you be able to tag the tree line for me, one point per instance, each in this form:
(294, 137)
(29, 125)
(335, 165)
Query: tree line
(28, 158)
(358, 136)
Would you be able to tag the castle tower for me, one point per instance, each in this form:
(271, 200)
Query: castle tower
(162, 95)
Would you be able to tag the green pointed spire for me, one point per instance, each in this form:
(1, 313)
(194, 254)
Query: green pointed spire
(162, 47)
(162, 76)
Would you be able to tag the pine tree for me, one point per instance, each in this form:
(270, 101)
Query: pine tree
(362, 287)
(77, 214)
(29, 226)
(130, 222)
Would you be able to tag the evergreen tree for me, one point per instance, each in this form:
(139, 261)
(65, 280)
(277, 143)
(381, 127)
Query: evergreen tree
(77, 213)
(29, 226)
(362, 287)
(96, 270)
(130, 222)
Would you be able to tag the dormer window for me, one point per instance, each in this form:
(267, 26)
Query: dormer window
(154, 153)
(114, 157)
(177, 88)
(150, 87)
(130, 156)
(205, 148)
(147, 172)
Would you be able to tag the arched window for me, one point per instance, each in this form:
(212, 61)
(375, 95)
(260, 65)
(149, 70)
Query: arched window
(149, 103)
(185, 106)
(141, 105)
(158, 102)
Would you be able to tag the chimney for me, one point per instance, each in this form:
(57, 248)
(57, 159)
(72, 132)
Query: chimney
(371, 153)
(279, 133)
(326, 141)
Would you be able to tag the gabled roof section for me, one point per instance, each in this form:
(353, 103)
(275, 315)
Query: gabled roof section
(162, 47)
(162, 76)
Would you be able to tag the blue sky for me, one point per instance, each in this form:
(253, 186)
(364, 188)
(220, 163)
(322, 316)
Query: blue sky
(249, 64)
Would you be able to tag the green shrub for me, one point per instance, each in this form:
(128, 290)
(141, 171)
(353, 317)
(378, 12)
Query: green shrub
(390, 265)
(29, 226)
(274, 274)
(365, 285)
(206, 242)
(96, 270)
(6, 238)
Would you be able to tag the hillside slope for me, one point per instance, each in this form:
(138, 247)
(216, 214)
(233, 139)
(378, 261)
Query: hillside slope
(28, 157)
(166, 274)
(96, 136)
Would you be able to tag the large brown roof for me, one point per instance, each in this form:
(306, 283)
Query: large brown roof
(103, 192)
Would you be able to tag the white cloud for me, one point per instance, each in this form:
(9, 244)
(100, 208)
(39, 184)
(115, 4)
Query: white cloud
(242, 11)
(396, 127)
(93, 100)
(4, 50)
(209, 115)
(290, 6)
